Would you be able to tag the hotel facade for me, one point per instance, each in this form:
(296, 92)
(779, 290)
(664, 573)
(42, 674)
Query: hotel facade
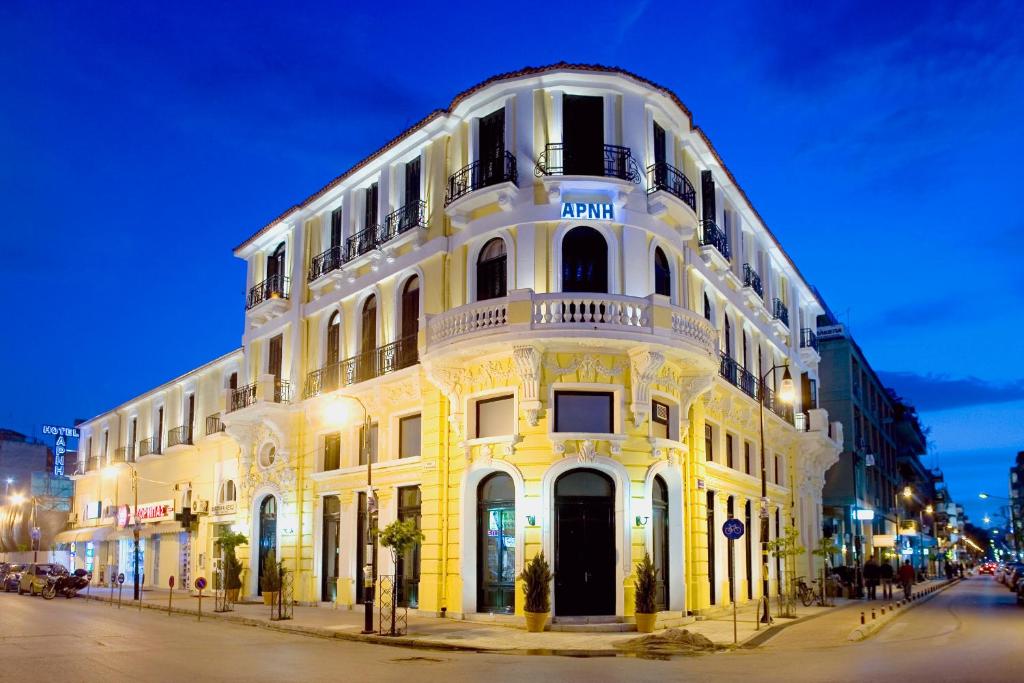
(543, 315)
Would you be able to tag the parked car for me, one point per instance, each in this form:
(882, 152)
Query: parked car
(1020, 592)
(33, 579)
(1015, 573)
(1005, 575)
(11, 577)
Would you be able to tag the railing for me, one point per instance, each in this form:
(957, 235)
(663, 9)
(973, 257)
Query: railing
(402, 220)
(242, 397)
(481, 174)
(614, 161)
(179, 436)
(282, 391)
(465, 320)
(597, 310)
(780, 408)
(662, 176)
(124, 454)
(150, 446)
(363, 242)
(359, 368)
(713, 236)
(214, 425)
(780, 312)
(738, 376)
(321, 264)
(808, 339)
(753, 280)
(274, 287)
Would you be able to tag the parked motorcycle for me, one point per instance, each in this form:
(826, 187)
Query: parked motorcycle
(66, 584)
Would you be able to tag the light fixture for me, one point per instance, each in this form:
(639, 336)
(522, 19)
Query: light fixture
(907, 492)
(983, 496)
(641, 520)
(10, 480)
(531, 520)
(17, 499)
(787, 393)
(110, 471)
(929, 510)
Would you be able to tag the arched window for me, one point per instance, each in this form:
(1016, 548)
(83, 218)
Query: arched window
(366, 366)
(707, 307)
(410, 322)
(584, 261)
(662, 274)
(496, 544)
(333, 339)
(492, 271)
(227, 492)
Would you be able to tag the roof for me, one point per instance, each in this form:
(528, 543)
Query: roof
(520, 73)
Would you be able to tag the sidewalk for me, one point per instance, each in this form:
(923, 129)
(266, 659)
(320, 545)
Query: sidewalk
(454, 634)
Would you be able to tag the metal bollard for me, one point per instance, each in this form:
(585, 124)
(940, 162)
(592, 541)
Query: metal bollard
(872, 614)
(861, 618)
(883, 611)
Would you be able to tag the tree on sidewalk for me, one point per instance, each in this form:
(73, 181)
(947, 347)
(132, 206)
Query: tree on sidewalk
(787, 548)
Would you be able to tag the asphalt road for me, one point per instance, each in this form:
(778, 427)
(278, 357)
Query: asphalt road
(972, 632)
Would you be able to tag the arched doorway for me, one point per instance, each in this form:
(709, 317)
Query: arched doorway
(660, 540)
(662, 273)
(267, 535)
(584, 261)
(496, 538)
(492, 271)
(584, 544)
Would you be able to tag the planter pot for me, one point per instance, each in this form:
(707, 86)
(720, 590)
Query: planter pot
(645, 622)
(232, 594)
(269, 597)
(536, 621)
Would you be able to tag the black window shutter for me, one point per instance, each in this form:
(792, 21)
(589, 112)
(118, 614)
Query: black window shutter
(707, 195)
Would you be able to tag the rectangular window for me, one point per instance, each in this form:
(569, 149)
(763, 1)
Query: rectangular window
(336, 228)
(370, 217)
(106, 439)
(729, 451)
(709, 442)
(583, 411)
(370, 447)
(746, 457)
(659, 420)
(777, 480)
(332, 452)
(409, 436)
(494, 417)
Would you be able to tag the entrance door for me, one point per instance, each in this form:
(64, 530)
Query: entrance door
(496, 545)
(584, 544)
(583, 135)
(407, 572)
(268, 536)
(331, 549)
(659, 533)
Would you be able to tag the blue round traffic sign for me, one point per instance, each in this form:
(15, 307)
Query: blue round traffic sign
(733, 529)
(200, 583)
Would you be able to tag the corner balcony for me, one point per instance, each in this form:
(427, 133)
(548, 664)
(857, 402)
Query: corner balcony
(809, 354)
(214, 425)
(365, 366)
(484, 182)
(565, 170)
(714, 246)
(268, 398)
(735, 374)
(526, 316)
(268, 299)
(670, 192)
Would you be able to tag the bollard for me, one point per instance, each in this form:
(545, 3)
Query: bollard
(872, 614)
(861, 618)
(883, 611)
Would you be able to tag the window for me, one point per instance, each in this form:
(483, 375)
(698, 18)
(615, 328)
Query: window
(709, 442)
(659, 420)
(233, 381)
(707, 307)
(409, 429)
(336, 228)
(268, 454)
(776, 458)
(332, 452)
(495, 417)
(333, 339)
(584, 261)
(662, 274)
(370, 214)
(227, 493)
(746, 457)
(728, 337)
(729, 450)
(106, 439)
(492, 270)
(370, 444)
(274, 356)
(583, 411)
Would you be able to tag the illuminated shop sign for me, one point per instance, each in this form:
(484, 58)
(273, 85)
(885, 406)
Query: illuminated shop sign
(93, 510)
(60, 446)
(598, 211)
(148, 512)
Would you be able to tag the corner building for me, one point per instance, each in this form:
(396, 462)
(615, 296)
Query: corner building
(555, 304)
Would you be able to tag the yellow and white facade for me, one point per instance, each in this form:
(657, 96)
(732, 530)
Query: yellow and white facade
(553, 302)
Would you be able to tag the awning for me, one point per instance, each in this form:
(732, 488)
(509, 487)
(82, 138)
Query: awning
(69, 536)
(91, 533)
(161, 528)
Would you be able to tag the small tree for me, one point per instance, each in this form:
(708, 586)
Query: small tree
(399, 537)
(270, 579)
(787, 548)
(645, 584)
(229, 540)
(826, 549)
(536, 578)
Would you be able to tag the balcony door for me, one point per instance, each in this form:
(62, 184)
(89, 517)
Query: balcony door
(492, 147)
(274, 357)
(367, 339)
(583, 135)
(275, 269)
(410, 322)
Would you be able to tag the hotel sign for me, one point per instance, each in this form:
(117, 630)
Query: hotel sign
(224, 508)
(60, 446)
(595, 211)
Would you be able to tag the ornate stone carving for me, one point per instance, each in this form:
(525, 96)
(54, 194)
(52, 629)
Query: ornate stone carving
(644, 366)
(451, 381)
(586, 451)
(588, 366)
(527, 361)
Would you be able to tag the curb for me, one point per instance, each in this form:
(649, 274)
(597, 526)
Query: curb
(871, 625)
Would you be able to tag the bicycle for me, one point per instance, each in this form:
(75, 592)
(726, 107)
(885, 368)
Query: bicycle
(809, 594)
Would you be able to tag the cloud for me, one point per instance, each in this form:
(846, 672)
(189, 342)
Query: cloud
(941, 392)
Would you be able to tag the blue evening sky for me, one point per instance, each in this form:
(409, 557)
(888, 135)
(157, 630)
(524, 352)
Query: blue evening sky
(142, 141)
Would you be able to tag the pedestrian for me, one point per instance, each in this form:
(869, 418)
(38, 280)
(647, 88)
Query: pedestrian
(906, 576)
(960, 569)
(886, 572)
(871, 575)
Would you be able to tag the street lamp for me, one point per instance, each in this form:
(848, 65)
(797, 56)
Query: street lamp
(786, 394)
(335, 413)
(907, 493)
(111, 472)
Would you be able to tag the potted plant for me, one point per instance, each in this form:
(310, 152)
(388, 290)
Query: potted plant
(398, 537)
(229, 540)
(270, 579)
(536, 578)
(645, 584)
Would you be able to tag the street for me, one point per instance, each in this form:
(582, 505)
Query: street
(971, 632)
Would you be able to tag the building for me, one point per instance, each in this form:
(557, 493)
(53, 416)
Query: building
(542, 317)
(20, 456)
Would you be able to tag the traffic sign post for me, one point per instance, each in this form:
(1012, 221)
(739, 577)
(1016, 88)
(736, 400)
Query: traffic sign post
(733, 530)
(120, 585)
(200, 585)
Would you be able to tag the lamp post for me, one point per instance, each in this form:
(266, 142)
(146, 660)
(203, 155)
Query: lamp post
(336, 414)
(111, 471)
(907, 492)
(786, 396)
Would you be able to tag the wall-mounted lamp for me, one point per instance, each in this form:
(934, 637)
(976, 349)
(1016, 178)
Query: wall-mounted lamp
(531, 520)
(642, 520)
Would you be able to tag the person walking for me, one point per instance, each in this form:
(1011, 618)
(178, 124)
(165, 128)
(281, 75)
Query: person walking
(886, 572)
(907, 575)
(871, 576)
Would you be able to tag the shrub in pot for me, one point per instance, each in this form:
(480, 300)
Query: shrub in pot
(645, 585)
(270, 579)
(536, 578)
(229, 540)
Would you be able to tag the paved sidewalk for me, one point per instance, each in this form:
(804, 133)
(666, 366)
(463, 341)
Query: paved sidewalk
(437, 633)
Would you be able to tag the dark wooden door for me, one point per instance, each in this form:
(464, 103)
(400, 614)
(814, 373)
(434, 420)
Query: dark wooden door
(274, 357)
(584, 544)
(583, 135)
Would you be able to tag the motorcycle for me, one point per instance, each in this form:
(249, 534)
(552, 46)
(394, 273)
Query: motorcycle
(66, 584)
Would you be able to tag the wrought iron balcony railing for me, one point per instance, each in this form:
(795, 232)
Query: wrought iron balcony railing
(242, 397)
(282, 391)
(613, 161)
(780, 312)
(180, 436)
(402, 220)
(808, 339)
(663, 176)
(321, 264)
(713, 236)
(481, 174)
(214, 425)
(753, 280)
(124, 454)
(367, 365)
(779, 407)
(150, 446)
(738, 376)
(363, 242)
(274, 287)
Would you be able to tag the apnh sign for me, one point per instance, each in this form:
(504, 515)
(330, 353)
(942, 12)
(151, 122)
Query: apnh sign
(598, 211)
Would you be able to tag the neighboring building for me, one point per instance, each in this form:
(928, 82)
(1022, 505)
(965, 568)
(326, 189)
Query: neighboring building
(555, 303)
(26, 466)
(1017, 502)
(20, 456)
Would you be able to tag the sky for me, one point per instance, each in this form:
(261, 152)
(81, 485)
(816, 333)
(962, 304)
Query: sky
(141, 143)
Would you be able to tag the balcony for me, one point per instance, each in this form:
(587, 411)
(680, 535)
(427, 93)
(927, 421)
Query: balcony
(124, 454)
(497, 176)
(402, 220)
(150, 446)
(772, 403)
(271, 390)
(364, 366)
(780, 316)
(268, 299)
(614, 161)
(242, 397)
(714, 245)
(752, 285)
(527, 316)
(214, 425)
(179, 436)
(669, 190)
(738, 376)
(809, 354)
(325, 262)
